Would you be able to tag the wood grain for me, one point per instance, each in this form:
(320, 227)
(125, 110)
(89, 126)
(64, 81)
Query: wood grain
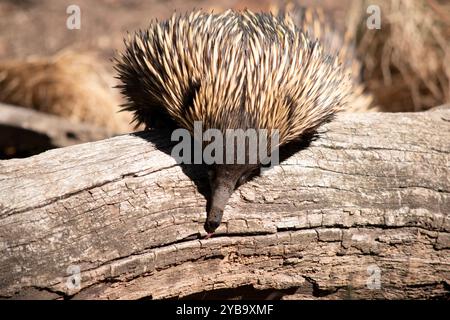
(369, 198)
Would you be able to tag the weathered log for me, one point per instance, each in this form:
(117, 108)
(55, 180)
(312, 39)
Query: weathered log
(28, 132)
(363, 212)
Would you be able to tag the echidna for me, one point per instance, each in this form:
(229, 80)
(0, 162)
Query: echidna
(234, 70)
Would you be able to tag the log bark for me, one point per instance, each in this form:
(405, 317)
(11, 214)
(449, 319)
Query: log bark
(363, 212)
(28, 132)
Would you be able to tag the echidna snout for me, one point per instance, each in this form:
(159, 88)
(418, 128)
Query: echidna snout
(214, 219)
(225, 179)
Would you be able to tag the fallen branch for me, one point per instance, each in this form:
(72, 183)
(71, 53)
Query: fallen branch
(28, 132)
(364, 212)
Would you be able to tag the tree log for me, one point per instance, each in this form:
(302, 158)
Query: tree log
(363, 212)
(28, 132)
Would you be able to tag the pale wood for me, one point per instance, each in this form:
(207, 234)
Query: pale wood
(372, 192)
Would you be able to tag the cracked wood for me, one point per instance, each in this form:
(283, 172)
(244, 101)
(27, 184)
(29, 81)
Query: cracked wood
(372, 193)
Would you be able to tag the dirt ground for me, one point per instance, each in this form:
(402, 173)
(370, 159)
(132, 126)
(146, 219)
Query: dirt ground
(38, 27)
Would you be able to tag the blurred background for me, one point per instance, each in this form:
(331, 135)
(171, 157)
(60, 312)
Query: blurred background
(48, 68)
(38, 27)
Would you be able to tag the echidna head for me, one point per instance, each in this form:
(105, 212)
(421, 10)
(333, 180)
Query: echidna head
(223, 180)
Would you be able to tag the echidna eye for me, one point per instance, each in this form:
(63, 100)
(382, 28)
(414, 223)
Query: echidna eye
(243, 179)
(247, 176)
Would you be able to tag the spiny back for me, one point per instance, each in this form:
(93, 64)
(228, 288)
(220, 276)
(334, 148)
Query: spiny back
(231, 70)
(335, 40)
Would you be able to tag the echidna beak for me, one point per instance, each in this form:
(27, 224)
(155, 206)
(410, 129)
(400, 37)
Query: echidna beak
(213, 220)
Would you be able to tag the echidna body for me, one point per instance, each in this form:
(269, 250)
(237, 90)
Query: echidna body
(235, 70)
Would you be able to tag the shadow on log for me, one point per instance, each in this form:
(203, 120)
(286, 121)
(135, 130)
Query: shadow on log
(26, 132)
(364, 212)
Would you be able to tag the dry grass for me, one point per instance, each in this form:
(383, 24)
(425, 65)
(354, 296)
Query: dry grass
(71, 85)
(406, 62)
